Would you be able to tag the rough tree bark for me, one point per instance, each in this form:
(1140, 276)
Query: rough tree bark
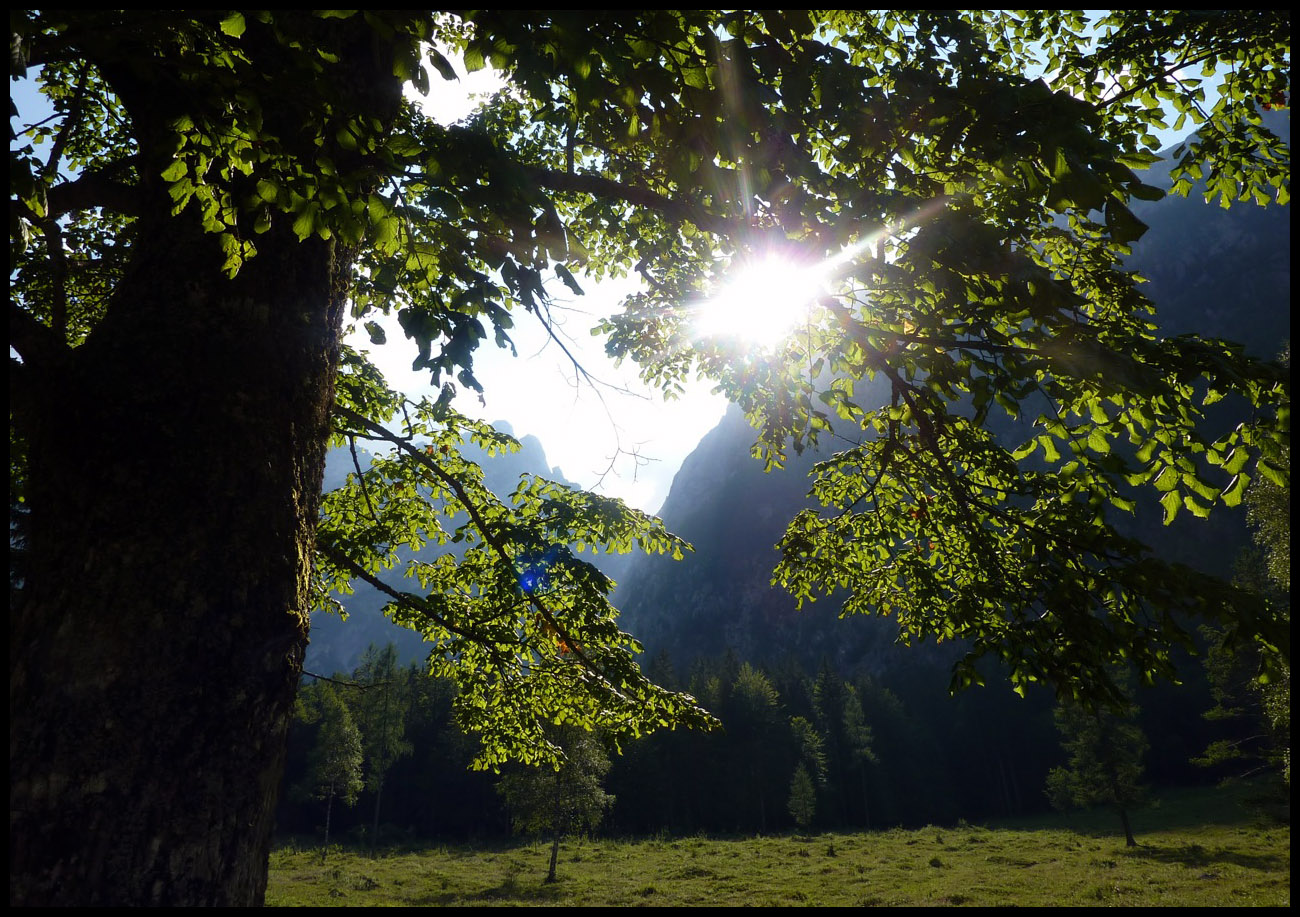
(174, 481)
(175, 468)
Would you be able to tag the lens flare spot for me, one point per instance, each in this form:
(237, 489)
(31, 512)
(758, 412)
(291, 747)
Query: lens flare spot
(764, 301)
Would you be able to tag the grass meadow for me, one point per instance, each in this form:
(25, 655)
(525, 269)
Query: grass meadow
(1202, 848)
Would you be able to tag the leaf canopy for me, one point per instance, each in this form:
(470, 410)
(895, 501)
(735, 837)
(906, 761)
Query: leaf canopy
(967, 176)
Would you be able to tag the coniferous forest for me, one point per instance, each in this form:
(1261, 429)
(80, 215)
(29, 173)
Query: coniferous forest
(880, 752)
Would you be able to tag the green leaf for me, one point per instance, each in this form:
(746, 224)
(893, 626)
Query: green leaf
(345, 138)
(1236, 489)
(563, 273)
(1025, 450)
(442, 65)
(1146, 192)
(1124, 227)
(1171, 502)
(1273, 473)
(304, 224)
(1098, 441)
(473, 59)
(233, 25)
(386, 233)
(1139, 159)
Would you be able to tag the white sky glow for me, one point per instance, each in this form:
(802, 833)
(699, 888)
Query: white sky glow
(610, 431)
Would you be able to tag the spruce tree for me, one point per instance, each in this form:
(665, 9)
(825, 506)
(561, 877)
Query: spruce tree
(381, 713)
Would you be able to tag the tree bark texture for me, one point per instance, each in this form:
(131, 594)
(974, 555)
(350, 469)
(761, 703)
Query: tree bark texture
(175, 463)
(174, 483)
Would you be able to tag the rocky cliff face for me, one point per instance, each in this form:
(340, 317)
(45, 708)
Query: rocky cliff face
(720, 596)
(1223, 273)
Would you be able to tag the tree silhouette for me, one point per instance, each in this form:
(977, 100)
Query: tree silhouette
(381, 716)
(335, 764)
(803, 797)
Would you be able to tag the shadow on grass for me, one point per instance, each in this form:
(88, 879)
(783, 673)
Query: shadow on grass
(1194, 855)
(1245, 804)
(511, 890)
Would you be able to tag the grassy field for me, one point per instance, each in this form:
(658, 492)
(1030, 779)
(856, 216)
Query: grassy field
(1202, 848)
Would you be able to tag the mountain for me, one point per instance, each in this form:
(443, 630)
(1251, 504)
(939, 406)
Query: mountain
(719, 597)
(1217, 272)
(1221, 273)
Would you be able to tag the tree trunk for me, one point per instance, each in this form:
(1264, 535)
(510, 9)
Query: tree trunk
(1129, 839)
(175, 470)
(374, 826)
(173, 479)
(866, 801)
(329, 810)
(384, 764)
(555, 855)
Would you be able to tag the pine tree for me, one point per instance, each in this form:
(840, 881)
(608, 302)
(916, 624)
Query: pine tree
(381, 716)
(803, 797)
(809, 774)
(859, 747)
(759, 740)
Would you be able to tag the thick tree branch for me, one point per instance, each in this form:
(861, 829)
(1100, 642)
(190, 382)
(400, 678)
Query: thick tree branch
(670, 208)
(406, 599)
(347, 684)
(35, 343)
(1148, 83)
(70, 123)
(99, 188)
(58, 276)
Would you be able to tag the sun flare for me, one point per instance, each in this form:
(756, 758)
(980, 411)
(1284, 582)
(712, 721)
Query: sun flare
(765, 299)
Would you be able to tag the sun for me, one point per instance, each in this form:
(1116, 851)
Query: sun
(766, 298)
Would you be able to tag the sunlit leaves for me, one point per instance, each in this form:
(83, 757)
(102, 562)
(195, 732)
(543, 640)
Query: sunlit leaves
(988, 216)
(511, 610)
(977, 219)
(233, 25)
